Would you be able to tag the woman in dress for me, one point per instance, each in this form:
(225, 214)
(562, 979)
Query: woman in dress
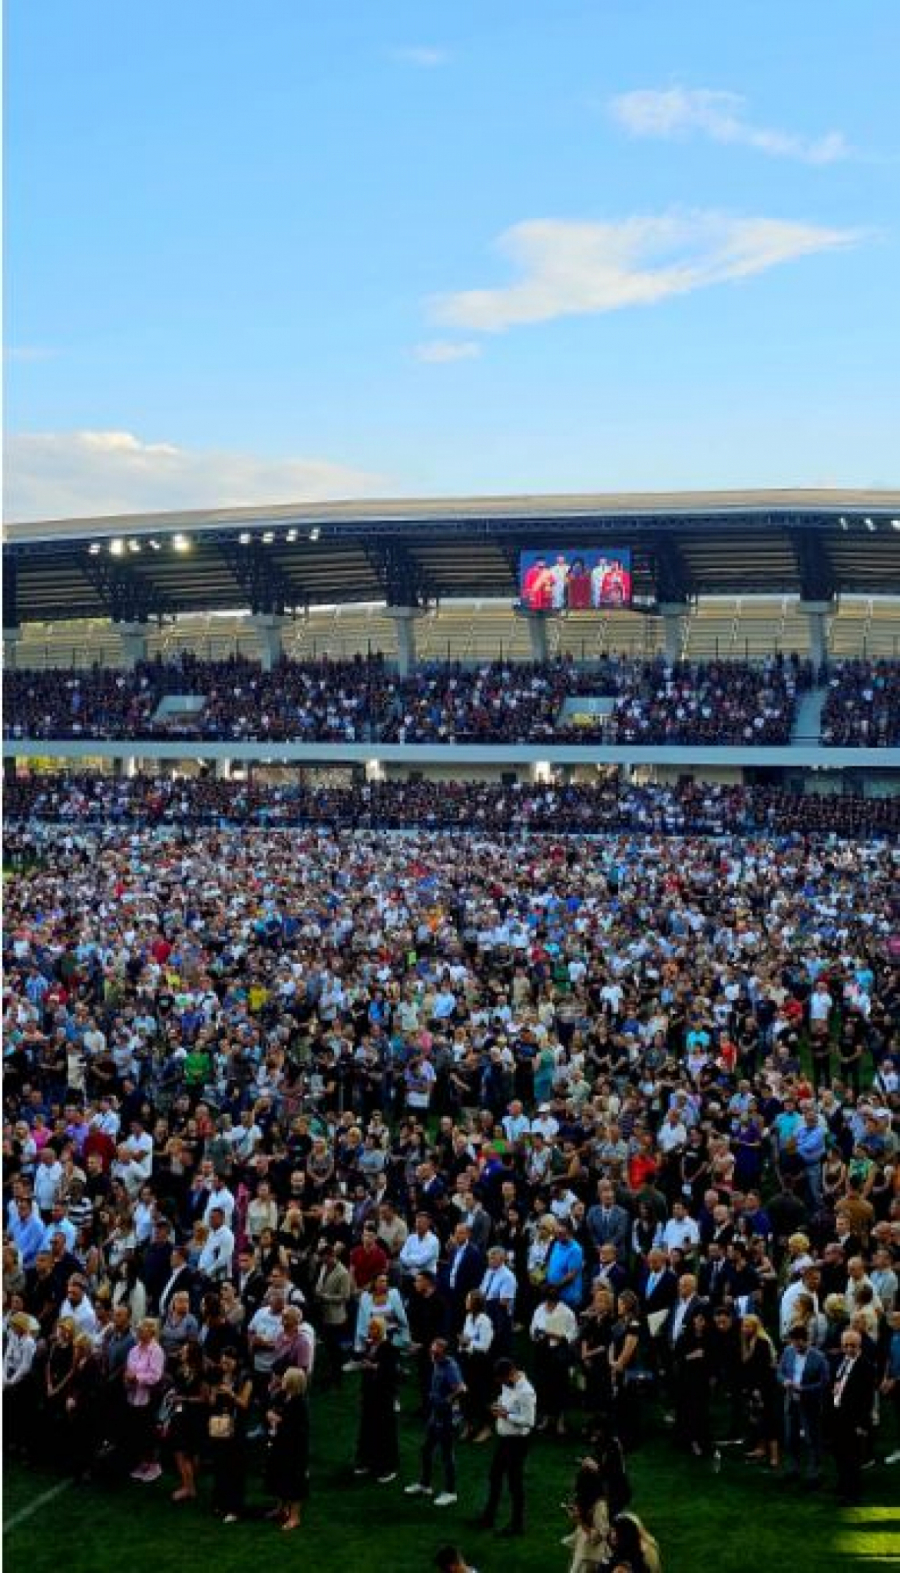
(623, 1353)
(377, 1449)
(229, 1397)
(287, 1469)
(597, 1324)
(762, 1395)
(187, 1404)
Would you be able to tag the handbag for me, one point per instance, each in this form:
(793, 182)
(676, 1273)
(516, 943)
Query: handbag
(221, 1427)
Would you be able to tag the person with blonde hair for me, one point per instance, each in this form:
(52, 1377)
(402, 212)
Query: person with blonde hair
(287, 1464)
(144, 1370)
(760, 1387)
(377, 1446)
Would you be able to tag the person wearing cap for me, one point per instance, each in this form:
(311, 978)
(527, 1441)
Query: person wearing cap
(514, 1414)
(805, 1375)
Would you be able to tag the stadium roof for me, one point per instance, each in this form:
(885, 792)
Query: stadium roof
(407, 552)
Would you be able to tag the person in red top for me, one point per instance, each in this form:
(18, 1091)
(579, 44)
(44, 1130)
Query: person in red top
(578, 587)
(368, 1259)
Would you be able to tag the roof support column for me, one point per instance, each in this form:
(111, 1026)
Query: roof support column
(134, 643)
(538, 637)
(404, 621)
(816, 615)
(674, 616)
(269, 628)
(11, 637)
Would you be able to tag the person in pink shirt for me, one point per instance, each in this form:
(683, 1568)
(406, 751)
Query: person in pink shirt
(144, 1370)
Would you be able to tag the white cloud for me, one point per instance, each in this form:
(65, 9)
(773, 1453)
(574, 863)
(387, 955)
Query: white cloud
(678, 111)
(426, 56)
(441, 351)
(573, 269)
(61, 475)
(27, 354)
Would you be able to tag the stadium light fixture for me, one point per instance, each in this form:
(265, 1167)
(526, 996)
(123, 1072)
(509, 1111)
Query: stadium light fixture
(268, 537)
(870, 525)
(181, 543)
(117, 547)
(245, 538)
(895, 524)
(153, 545)
(843, 523)
(291, 535)
(94, 549)
(134, 546)
(314, 533)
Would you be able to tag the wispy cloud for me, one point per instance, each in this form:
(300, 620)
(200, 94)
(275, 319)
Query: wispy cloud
(55, 475)
(680, 111)
(27, 354)
(425, 56)
(574, 269)
(439, 352)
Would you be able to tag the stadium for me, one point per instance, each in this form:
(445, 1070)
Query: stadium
(374, 802)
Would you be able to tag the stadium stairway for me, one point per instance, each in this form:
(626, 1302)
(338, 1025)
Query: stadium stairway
(807, 726)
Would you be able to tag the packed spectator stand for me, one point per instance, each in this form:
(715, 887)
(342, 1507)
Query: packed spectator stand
(567, 809)
(653, 702)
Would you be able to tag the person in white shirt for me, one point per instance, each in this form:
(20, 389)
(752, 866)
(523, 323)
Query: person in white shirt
(553, 1331)
(681, 1232)
(77, 1307)
(47, 1181)
(421, 1249)
(499, 1289)
(219, 1197)
(475, 1343)
(218, 1251)
(515, 1414)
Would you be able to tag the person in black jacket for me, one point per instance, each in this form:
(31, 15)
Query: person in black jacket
(852, 1398)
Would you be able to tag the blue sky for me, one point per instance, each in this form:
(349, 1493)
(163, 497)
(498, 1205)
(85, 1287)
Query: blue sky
(290, 250)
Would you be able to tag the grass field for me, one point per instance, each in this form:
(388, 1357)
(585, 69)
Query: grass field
(734, 1522)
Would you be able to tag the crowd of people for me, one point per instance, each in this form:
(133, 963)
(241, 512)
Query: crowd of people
(604, 1141)
(564, 808)
(652, 702)
(862, 708)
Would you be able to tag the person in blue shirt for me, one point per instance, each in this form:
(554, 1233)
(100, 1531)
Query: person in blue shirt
(447, 1388)
(26, 1230)
(565, 1266)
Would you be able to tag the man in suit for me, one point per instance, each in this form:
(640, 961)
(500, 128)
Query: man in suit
(608, 1223)
(805, 1376)
(249, 1282)
(657, 1284)
(852, 1397)
(676, 1331)
(462, 1270)
(181, 1280)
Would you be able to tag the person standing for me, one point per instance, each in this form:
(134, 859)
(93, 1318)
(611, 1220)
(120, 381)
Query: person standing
(287, 1468)
(447, 1388)
(377, 1447)
(515, 1416)
(804, 1375)
(852, 1398)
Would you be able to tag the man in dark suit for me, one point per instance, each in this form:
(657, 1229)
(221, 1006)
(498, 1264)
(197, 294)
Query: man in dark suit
(462, 1270)
(657, 1284)
(250, 1282)
(852, 1398)
(608, 1223)
(181, 1280)
(677, 1329)
(157, 1262)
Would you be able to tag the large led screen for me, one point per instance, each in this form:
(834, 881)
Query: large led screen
(575, 579)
